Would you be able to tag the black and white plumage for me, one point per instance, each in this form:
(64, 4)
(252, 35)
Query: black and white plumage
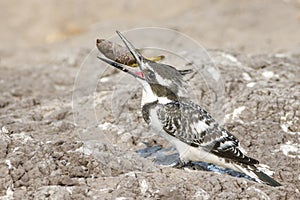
(192, 125)
(187, 126)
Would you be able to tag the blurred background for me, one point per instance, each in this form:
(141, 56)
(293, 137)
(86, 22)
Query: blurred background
(255, 26)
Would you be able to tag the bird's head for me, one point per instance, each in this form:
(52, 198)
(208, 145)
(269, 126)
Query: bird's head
(160, 81)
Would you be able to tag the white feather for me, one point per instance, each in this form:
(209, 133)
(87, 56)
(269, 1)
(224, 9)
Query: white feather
(200, 126)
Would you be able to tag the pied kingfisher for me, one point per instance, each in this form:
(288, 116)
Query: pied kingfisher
(188, 127)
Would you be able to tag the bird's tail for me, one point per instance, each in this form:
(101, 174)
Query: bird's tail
(256, 174)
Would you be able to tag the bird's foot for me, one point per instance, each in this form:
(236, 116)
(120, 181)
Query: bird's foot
(181, 164)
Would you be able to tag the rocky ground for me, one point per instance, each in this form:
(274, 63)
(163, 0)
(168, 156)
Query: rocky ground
(51, 149)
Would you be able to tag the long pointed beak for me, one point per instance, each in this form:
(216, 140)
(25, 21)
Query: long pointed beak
(123, 68)
(137, 56)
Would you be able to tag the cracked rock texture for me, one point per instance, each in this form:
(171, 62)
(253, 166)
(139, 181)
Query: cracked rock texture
(45, 154)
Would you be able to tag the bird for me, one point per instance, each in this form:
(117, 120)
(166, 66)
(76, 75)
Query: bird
(187, 126)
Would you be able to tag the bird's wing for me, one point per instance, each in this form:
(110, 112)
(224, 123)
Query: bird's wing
(228, 147)
(194, 126)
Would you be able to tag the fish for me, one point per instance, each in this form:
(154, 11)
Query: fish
(120, 54)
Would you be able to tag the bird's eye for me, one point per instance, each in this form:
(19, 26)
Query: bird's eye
(151, 75)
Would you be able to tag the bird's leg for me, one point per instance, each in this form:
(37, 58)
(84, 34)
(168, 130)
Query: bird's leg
(181, 164)
(191, 165)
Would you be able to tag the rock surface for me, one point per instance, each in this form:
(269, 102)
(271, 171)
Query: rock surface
(45, 154)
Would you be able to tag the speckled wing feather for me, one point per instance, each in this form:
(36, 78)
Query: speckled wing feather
(194, 126)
